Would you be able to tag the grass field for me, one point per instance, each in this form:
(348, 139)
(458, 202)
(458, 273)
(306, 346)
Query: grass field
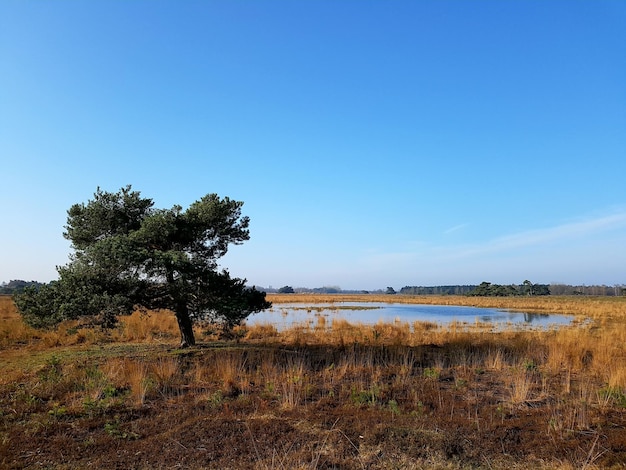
(344, 396)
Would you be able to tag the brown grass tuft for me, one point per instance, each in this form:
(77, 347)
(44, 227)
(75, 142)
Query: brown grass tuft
(330, 394)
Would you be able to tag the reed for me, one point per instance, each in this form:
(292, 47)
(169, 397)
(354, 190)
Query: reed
(521, 384)
(12, 328)
(411, 384)
(293, 382)
(136, 375)
(231, 372)
(165, 371)
(147, 326)
(592, 307)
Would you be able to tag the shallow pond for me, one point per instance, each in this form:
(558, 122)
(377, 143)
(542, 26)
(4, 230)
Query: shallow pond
(285, 315)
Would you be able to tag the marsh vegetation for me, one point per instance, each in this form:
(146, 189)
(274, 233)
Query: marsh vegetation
(289, 315)
(344, 395)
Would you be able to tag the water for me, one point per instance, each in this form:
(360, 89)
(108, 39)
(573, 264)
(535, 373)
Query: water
(285, 315)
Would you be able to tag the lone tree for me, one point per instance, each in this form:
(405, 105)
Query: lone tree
(130, 255)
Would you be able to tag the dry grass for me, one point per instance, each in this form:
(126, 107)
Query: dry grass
(598, 308)
(147, 326)
(338, 396)
(12, 328)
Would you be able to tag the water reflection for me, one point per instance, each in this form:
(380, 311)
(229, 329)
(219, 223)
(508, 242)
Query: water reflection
(286, 315)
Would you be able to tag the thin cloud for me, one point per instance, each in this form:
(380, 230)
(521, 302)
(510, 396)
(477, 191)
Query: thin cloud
(455, 228)
(548, 235)
(425, 263)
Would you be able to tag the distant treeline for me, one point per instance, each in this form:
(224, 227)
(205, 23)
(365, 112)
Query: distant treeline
(437, 290)
(484, 289)
(313, 290)
(17, 285)
(564, 289)
(487, 289)
(526, 288)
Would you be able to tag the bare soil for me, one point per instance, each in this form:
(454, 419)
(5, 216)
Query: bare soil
(453, 423)
(486, 401)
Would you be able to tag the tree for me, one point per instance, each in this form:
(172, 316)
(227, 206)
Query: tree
(527, 287)
(17, 285)
(286, 290)
(131, 255)
(486, 289)
(390, 291)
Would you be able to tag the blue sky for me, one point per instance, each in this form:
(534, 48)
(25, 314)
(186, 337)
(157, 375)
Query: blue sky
(374, 143)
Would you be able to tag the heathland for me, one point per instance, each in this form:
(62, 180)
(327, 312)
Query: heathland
(338, 395)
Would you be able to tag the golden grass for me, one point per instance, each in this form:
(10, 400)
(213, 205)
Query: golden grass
(145, 327)
(597, 308)
(575, 375)
(12, 328)
(148, 326)
(598, 347)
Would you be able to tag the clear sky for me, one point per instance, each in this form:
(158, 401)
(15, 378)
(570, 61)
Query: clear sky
(374, 143)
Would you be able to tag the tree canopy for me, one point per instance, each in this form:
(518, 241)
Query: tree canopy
(16, 285)
(487, 289)
(129, 254)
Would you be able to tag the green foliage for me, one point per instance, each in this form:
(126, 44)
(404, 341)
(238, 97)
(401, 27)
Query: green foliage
(616, 394)
(529, 365)
(131, 255)
(487, 289)
(394, 407)
(113, 429)
(365, 397)
(81, 291)
(52, 371)
(17, 285)
(327, 290)
(437, 290)
(431, 373)
(215, 399)
(40, 306)
(57, 411)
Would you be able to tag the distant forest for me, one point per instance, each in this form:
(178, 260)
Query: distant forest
(437, 290)
(526, 288)
(484, 289)
(17, 285)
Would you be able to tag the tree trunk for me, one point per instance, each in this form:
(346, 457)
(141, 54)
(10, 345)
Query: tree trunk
(182, 312)
(185, 326)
